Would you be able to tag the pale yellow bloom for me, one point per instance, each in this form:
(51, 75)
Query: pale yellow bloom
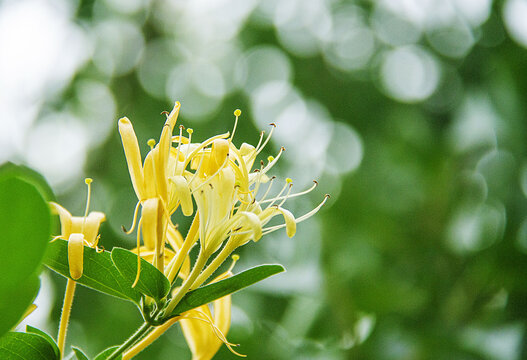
(78, 231)
(206, 332)
(230, 199)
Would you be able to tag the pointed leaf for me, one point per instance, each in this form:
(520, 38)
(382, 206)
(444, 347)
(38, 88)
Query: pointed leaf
(25, 220)
(14, 303)
(99, 271)
(106, 353)
(151, 282)
(79, 354)
(208, 293)
(23, 346)
(49, 339)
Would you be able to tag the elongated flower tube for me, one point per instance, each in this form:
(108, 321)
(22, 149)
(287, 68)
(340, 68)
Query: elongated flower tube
(150, 184)
(205, 332)
(78, 231)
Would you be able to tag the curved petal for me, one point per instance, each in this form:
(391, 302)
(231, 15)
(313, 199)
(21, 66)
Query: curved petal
(133, 155)
(76, 255)
(182, 192)
(91, 226)
(65, 219)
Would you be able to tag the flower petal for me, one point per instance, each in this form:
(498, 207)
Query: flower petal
(76, 255)
(133, 155)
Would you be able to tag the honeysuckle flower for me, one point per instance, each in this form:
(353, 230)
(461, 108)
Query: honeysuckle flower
(229, 198)
(78, 231)
(206, 332)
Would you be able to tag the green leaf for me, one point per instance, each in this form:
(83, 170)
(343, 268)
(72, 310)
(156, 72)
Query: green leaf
(104, 355)
(49, 339)
(23, 346)
(80, 355)
(99, 271)
(25, 220)
(208, 293)
(151, 282)
(10, 170)
(14, 303)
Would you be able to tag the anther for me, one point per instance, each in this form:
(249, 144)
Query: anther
(270, 158)
(190, 131)
(237, 112)
(235, 257)
(151, 143)
(272, 124)
(289, 180)
(88, 181)
(165, 113)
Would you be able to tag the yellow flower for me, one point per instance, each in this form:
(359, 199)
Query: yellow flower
(150, 183)
(78, 231)
(231, 208)
(205, 332)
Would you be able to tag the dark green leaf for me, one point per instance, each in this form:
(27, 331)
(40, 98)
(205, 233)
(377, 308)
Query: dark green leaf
(25, 220)
(104, 355)
(23, 346)
(14, 303)
(10, 170)
(151, 282)
(49, 339)
(99, 271)
(208, 293)
(80, 355)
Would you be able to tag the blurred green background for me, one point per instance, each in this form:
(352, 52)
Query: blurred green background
(409, 113)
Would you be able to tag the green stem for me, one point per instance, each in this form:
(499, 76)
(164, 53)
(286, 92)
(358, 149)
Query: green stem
(198, 266)
(130, 341)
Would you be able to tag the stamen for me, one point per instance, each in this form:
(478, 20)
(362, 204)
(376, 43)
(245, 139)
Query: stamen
(286, 195)
(88, 182)
(315, 184)
(151, 143)
(273, 200)
(235, 258)
(266, 140)
(314, 211)
(181, 127)
(237, 113)
(274, 161)
(136, 211)
(262, 199)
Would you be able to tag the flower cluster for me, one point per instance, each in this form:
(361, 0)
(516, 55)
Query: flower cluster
(225, 190)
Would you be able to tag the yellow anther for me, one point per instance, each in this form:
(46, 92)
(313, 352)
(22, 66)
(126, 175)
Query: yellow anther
(190, 131)
(289, 180)
(88, 181)
(270, 158)
(235, 257)
(151, 143)
(237, 112)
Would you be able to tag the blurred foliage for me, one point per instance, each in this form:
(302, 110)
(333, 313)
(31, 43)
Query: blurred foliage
(421, 252)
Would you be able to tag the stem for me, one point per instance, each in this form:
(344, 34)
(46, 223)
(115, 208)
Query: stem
(130, 341)
(149, 339)
(200, 263)
(65, 316)
(214, 265)
(192, 236)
